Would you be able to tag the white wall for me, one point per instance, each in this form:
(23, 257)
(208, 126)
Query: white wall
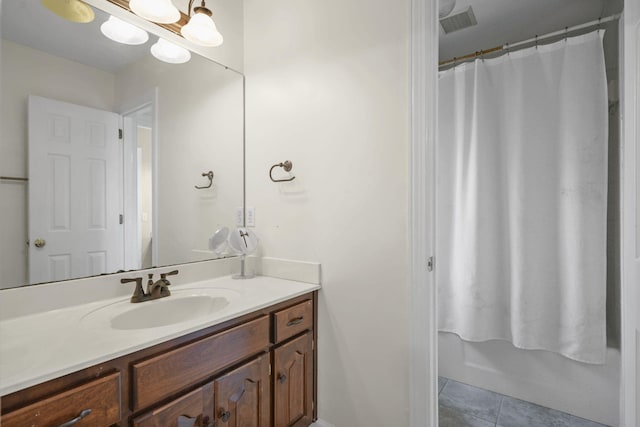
(200, 129)
(328, 89)
(28, 71)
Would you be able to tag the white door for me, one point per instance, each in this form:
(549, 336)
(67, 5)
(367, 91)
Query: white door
(631, 217)
(75, 191)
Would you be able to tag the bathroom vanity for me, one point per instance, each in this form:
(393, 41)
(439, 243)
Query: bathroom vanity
(251, 363)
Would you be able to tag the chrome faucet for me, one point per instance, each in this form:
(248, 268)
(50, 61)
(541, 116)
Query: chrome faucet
(155, 290)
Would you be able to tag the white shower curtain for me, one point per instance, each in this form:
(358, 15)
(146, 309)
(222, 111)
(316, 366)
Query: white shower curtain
(522, 199)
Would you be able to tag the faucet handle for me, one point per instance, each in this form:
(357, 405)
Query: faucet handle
(138, 293)
(171, 273)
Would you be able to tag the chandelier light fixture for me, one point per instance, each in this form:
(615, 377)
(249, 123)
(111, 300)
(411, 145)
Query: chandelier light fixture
(160, 11)
(71, 10)
(168, 52)
(201, 29)
(123, 32)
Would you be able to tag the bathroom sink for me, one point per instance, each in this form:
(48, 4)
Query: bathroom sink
(181, 306)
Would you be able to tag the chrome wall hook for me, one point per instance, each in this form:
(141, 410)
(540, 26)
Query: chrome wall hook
(287, 166)
(208, 175)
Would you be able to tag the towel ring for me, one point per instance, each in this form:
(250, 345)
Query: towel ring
(208, 175)
(287, 166)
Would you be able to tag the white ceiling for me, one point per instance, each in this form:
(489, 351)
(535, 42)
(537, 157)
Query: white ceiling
(509, 21)
(499, 21)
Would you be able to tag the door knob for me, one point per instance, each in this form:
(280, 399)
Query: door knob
(39, 243)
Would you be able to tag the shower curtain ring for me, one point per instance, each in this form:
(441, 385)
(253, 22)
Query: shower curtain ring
(536, 41)
(566, 33)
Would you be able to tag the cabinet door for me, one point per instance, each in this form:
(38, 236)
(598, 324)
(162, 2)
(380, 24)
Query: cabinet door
(194, 409)
(243, 396)
(293, 383)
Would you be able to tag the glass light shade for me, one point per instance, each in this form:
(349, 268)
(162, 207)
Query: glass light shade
(168, 52)
(202, 30)
(71, 10)
(160, 11)
(123, 32)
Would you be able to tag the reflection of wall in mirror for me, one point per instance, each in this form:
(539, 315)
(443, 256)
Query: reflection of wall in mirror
(200, 129)
(28, 71)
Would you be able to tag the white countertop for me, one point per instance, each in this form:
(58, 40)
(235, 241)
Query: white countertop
(39, 347)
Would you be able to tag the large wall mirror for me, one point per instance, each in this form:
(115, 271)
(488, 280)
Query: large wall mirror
(103, 146)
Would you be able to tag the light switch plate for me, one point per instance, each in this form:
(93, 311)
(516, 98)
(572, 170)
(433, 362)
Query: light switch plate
(251, 217)
(239, 217)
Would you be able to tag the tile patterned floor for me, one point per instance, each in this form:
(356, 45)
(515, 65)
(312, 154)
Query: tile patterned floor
(462, 405)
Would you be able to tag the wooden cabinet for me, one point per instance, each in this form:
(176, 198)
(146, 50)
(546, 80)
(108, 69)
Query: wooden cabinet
(293, 383)
(95, 404)
(158, 377)
(257, 370)
(194, 409)
(293, 320)
(243, 396)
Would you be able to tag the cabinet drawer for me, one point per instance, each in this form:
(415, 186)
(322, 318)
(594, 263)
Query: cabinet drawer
(156, 378)
(193, 409)
(101, 396)
(292, 320)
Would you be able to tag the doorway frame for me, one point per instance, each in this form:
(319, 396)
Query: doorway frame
(423, 336)
(630, 224)
(129, 107)
(423, 365)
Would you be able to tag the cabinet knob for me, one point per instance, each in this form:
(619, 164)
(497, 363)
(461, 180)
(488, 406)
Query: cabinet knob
(282, 378)
(225, 416)
(39, 243)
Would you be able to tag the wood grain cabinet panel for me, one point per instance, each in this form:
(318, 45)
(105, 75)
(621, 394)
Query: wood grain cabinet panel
(161, 376)
(293, 320)
(194, 409)
(257, 370)
(101, 396)
(243, 396)
(293, 383)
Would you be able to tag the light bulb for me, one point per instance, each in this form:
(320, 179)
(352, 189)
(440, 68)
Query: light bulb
(71, 10)
(201, 29)
(160, 11)
(168, 52)
(123, 32)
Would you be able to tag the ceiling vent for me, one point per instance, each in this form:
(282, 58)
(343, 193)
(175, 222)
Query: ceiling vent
(458, 21)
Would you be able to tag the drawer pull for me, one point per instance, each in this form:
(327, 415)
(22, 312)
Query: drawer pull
(225, 416)
(282, 378)
(295, 321)
(83, 414)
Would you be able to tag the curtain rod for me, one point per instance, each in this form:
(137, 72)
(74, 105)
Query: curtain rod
(509, 46)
